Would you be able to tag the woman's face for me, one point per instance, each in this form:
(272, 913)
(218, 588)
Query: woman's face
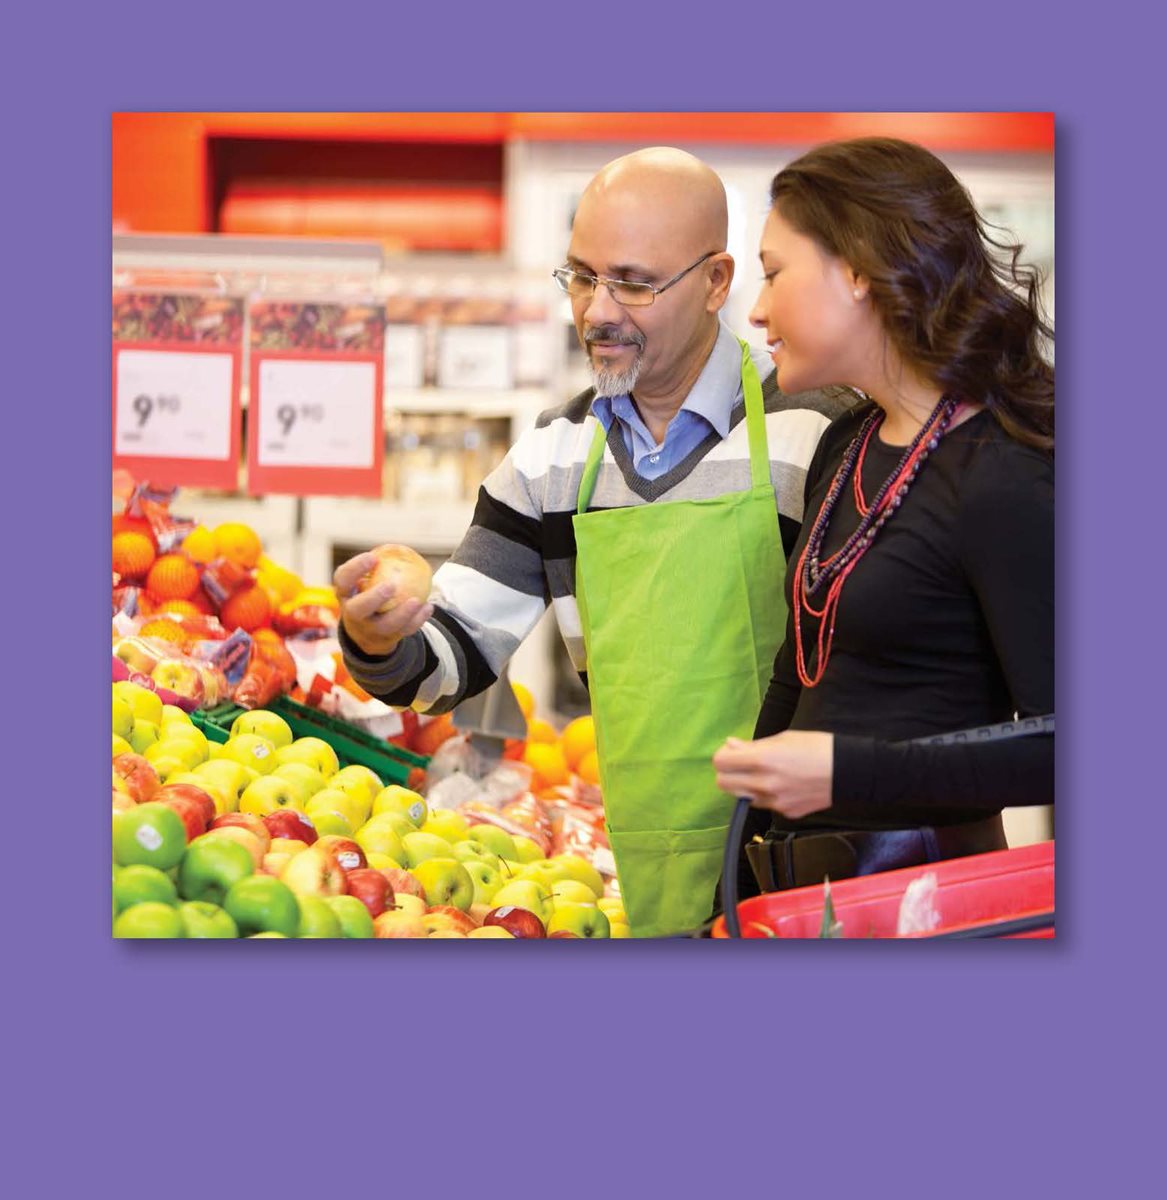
(814, 311)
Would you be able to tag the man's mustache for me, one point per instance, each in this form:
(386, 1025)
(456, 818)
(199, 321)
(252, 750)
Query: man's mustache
(612, 335)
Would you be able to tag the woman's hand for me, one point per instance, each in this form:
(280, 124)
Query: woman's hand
(375, 633)
(789, 772)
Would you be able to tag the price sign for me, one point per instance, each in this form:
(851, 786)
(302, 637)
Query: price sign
(404, 357)
(476, 356)
(315, 426)
(175, 417)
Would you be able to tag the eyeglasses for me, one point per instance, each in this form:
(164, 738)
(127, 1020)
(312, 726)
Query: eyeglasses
(580, 286)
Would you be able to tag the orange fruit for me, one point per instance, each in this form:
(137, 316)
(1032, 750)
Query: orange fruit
(578, 739)
(180, 608)
(549, 766)
(248, 608)
(588, 768)
(433, 733)
(133, 554)
(172, 577)
(238, 543)
(199, 544)
(126, 524)
(525, 699)
(539, 730)
(165, 630)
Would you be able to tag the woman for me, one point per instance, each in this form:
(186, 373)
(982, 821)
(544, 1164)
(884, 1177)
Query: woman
(921, 588)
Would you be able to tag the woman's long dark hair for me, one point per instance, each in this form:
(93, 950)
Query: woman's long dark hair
(896, 214)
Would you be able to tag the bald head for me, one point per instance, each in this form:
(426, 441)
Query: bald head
(686, 196)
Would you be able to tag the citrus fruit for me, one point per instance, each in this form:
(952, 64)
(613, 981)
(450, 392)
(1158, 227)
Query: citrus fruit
(539, 730)
(588, 768)
(547, 761)
(433, 733)
(133, 554)
(238, 543)
(180, 608)
(123, 523)
(199, 544)
(578, 739)
(525, 699)
(172, 577)
(248, 608)
(166, 630)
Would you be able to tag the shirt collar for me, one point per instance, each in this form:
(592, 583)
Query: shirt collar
(717, 390)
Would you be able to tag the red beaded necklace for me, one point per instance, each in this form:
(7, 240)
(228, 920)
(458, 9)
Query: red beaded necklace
(811, 574)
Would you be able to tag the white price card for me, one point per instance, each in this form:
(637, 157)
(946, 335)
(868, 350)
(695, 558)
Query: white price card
(476, 356)
(316, 414)
(170, 404)
(404, 357)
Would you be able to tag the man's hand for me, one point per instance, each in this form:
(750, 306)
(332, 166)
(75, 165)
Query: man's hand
(789, 772)
(377, 634)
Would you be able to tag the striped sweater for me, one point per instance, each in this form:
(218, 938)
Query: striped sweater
(519, 554)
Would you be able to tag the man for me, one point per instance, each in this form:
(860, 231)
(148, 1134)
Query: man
(652, 512)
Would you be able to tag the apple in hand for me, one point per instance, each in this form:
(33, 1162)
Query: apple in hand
(289, 823)
(348, 853)
(403, 568)
(584, 920)
(371, 888)
(315, 872)
(518, 922)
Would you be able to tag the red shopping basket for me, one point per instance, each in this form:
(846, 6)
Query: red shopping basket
(1006, 893)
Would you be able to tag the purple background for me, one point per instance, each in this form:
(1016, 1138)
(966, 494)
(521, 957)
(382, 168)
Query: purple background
(1002, 1068)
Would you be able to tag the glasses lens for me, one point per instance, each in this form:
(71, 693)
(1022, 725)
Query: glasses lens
(632, 293)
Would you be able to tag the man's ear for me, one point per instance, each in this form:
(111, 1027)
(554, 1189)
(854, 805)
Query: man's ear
(718, 279)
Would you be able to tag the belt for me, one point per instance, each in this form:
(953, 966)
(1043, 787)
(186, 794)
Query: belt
(803, 858)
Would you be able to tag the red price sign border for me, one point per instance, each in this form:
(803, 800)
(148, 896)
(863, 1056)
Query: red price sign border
(187, 472)
(315, 481)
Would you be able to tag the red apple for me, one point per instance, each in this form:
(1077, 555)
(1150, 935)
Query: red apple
(139, 776)
(190, 812)
(446, 916)
(405, 569)
(371, 888)
(348, 853)
(563, 933)
(196, 795)
(249, 821)
(402, 882)
(315, 872)
(290, 823)
(520, 921)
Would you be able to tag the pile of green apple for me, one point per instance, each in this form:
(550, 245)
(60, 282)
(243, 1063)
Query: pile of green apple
(266, 835)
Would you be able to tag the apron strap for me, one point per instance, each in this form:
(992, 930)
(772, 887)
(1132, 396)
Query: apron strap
(755, 430)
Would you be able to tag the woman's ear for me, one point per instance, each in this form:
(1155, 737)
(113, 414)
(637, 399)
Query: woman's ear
(859, 284)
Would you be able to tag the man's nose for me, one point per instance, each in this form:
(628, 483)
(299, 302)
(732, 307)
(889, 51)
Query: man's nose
(601, 309)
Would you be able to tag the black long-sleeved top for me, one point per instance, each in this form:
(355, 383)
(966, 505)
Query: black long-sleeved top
(946, 623)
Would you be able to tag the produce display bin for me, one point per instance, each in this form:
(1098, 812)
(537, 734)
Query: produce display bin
(352, 745)
(1006, 893)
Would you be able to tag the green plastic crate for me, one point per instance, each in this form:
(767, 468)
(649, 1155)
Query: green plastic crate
(352, 745)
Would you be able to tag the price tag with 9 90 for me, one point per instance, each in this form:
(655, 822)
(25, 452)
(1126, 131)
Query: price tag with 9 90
(316, 414)
(173, 405)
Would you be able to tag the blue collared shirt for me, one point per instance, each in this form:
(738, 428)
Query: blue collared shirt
(706, 408)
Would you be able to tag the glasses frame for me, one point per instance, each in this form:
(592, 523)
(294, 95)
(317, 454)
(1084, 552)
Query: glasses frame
(564, 275)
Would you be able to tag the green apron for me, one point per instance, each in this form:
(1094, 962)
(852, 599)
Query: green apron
(682, 610)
